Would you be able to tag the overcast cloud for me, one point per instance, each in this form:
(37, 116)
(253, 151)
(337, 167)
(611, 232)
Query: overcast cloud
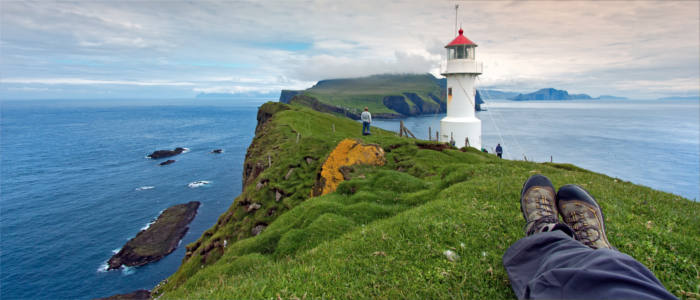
(178, 49)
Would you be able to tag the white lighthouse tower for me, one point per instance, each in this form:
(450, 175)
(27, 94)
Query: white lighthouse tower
(461, 70)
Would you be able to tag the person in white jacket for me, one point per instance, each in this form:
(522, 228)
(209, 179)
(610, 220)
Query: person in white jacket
(366, 118)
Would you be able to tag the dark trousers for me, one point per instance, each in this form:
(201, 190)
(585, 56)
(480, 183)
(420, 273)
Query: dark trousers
(365, 128)
(500, 155)
(552, 265)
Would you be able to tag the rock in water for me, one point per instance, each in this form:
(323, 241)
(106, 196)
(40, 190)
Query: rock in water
(159, 240)
(218, 151)
(167, 162)
(166, 153)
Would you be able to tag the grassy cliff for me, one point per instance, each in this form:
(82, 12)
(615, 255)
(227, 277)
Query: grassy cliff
(383, 232)
(387, 95)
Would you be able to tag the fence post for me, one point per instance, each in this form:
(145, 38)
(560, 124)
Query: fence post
(430, 134)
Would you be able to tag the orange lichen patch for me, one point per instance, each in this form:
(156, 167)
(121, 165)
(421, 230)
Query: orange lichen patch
(348, 152)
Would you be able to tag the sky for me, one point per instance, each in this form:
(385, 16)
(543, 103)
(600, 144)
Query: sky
(179, 49)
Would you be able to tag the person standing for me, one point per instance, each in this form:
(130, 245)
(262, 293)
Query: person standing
(366, 118)
(499, 151)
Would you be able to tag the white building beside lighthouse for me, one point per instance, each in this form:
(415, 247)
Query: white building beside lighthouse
(461, 70)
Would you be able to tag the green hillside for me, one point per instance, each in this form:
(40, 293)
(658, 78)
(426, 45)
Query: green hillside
(383, 232)
(387, 95)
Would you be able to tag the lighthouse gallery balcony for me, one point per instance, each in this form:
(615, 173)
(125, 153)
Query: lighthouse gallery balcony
(457, 66)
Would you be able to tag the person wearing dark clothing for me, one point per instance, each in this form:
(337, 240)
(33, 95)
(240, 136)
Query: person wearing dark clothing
(572, 259)
(499, 151)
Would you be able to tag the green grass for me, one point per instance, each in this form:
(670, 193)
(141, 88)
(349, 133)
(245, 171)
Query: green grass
(383, 232)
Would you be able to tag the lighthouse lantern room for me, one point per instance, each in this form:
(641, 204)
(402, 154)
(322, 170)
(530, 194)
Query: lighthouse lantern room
(461, 125)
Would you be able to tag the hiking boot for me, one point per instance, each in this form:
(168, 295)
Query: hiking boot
(582, 213)
(538, 204)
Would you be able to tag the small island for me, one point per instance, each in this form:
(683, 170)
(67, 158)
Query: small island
(166, 153)
(158, 240)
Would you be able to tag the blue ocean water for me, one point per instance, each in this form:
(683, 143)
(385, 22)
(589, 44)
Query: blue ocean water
(73, 178)
(652, 143)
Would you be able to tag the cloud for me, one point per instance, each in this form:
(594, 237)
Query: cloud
(586, 46)
(79, 81)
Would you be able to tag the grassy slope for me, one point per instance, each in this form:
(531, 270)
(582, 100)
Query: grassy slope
(356, 93)
(382, 233)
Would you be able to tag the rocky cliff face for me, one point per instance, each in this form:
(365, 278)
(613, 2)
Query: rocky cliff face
(287, 95)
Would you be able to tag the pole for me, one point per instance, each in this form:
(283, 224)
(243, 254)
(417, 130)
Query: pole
(456, 10)
(430, 134)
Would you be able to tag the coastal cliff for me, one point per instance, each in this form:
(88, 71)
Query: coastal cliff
(388, 96)
(550, 94)
(382, 230)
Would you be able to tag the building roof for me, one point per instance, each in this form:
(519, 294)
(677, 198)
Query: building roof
(460, 40)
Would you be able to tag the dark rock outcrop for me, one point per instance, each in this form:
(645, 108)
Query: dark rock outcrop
(443, 104)
(434, 146)
(400, 105)
(167, 162)
(265, 113)
(159, 240)
(424, 107)
(287, 95)
(217, 151)
(135, 295)
(165, 153)
(478, 101)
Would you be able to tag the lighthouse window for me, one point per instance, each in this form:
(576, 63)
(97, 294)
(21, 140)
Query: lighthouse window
(460, 52)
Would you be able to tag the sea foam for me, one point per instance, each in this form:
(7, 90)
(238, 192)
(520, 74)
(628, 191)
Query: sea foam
(145, 187)
(198, 183)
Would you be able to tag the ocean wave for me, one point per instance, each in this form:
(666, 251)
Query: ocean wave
(115, 251)
(147, 225)
(126, 271)
(103, 267)
(145, 187)
(198, 183)
(185, 150)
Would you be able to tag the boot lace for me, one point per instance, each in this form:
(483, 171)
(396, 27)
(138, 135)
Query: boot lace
(586, 233)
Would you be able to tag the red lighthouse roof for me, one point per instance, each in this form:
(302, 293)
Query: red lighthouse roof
(460, 40)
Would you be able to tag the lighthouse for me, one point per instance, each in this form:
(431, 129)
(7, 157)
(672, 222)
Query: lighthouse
(461, 70)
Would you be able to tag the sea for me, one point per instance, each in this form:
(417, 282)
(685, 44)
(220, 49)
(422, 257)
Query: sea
(75, 183)
(649, 142)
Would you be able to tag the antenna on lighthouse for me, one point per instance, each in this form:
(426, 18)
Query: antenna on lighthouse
(456, 10)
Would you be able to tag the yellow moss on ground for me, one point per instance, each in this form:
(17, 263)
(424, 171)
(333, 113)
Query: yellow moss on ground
(348, 152)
